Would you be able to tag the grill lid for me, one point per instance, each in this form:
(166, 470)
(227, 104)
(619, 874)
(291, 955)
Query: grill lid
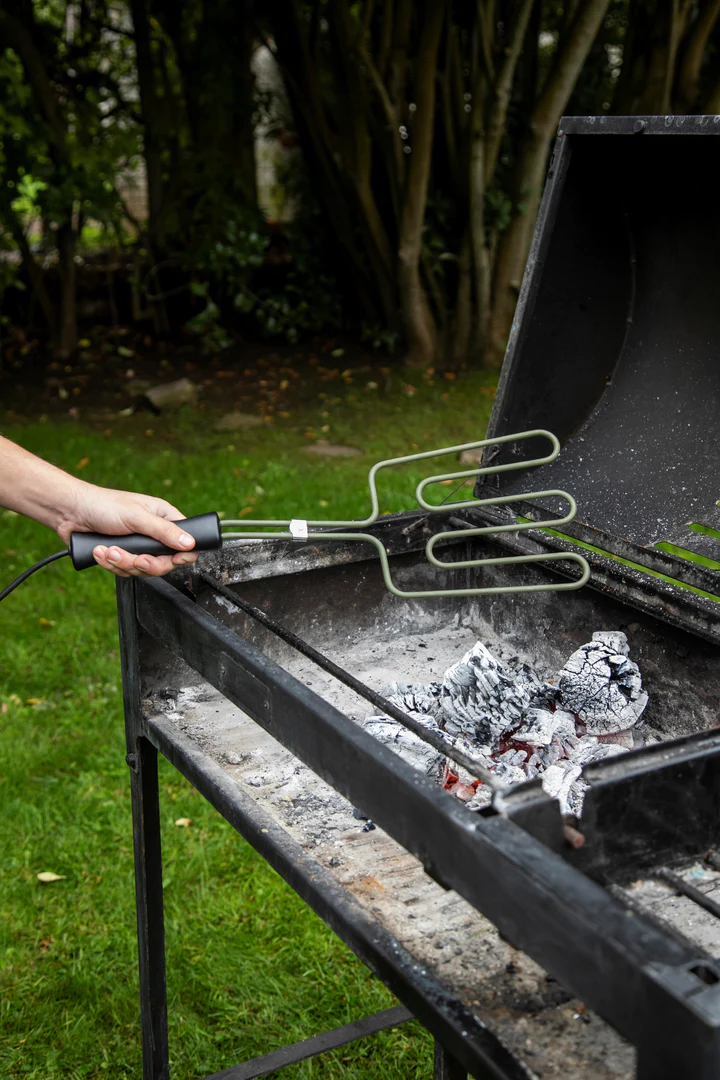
(615, 344)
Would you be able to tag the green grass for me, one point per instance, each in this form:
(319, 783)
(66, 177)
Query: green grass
(250, 967)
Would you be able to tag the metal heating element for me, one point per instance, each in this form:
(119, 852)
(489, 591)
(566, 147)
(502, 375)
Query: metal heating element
(299, 529)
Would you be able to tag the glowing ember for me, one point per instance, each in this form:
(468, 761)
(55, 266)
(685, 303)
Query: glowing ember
(521, 726)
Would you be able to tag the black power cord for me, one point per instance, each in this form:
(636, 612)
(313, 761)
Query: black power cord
(205, 528)
(31, 570)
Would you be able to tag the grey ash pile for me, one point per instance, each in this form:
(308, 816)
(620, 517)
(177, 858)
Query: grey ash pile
(521, 726)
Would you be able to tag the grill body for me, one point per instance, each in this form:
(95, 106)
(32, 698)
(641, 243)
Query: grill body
(597, 322)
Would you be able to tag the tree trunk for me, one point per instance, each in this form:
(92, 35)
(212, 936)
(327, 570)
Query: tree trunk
(503, 88)
(419, 325)
(693, 54)
(462, 326)
(363, 288)
(712, 106)
(37, 279)
(32, 269)
(480, 254)
(529, 172)
(666, 32)
(67, 328)
(213, 58)
(152, 125)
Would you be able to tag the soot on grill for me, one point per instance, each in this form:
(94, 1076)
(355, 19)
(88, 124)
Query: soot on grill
(522, 726)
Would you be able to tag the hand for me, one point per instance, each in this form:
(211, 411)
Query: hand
(97, 509)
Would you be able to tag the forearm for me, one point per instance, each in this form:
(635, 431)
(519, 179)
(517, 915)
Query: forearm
(35, 488)
(64, 503)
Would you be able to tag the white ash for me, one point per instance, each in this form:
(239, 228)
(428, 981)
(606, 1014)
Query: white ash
(408, 745)
(521, 725)
(602, 685)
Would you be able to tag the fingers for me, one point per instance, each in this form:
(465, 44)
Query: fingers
(167, 532)
(123, 564)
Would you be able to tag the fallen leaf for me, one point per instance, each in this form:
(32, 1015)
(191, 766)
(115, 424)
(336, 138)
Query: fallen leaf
(4, 707)
(124, 351)
(34, 700)
(47, 875)
(46, 622)
(84, 343)
(184, 822)
(82, 463)
(245, 512)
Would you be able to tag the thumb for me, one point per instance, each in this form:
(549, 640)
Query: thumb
(167, 532)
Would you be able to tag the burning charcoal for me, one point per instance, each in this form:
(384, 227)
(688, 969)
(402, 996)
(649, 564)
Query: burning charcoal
(542, 726)
(419, 700)
(565, 785)
(519, 726)
(483, 698)
(624, 739)
(602, 686)
(407, 744)
(510, 774)
(481, 798)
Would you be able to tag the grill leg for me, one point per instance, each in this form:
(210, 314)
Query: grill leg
(142, 760)
(446, 1066)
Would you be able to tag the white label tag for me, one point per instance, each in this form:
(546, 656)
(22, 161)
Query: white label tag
(299, 529)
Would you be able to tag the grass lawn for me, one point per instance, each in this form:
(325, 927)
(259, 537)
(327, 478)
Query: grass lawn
(248, 963)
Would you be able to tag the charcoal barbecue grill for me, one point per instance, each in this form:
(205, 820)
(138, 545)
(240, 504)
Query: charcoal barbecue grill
(528, 944)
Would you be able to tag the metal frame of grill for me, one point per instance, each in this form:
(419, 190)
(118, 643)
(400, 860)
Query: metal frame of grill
(557, 902)
(514, 863)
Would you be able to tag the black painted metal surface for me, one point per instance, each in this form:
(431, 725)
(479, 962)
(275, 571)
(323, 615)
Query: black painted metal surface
(142, 761)
(317, 1044)
(638, 978)
(616, 344)
(446, 1017)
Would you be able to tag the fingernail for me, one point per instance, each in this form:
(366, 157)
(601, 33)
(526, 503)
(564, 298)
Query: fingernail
(142, 564)
(100, 552)
(185, 540)
(114, 555)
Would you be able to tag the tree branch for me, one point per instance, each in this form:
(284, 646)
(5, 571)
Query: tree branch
(503, 88)
(19, 38)
(566, 67)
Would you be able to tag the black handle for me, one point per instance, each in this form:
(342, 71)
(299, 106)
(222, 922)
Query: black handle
(205, 528)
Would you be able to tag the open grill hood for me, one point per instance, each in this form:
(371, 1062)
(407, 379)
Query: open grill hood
(616, 341)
